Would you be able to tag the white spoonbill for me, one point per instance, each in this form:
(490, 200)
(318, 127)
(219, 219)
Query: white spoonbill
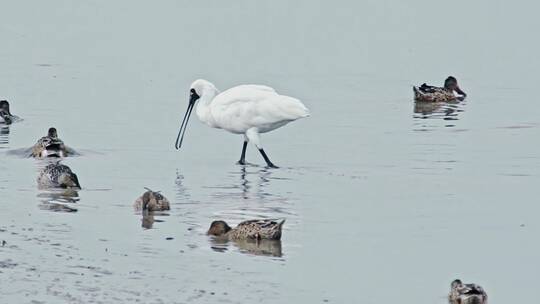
(245, 109)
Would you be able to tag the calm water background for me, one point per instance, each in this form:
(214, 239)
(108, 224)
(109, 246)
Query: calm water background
(385, 202)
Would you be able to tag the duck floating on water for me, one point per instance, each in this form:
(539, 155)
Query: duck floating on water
(5, 115)
(152, 201)
(466, 293)
(253, 229)
(437, 94)
(50, 146)
(57, 175)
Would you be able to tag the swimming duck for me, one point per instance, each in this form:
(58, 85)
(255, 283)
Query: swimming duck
(57, 176)
(466, 293)
(50, 146)
(252, 229)
(5, 115)
(152, 201)
(437, 94)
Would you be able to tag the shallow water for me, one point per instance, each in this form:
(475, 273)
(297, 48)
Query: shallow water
(385, 201)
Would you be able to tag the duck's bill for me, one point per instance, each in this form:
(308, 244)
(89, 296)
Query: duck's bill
(460, 92)
(5, 118)
(183, 126)
(76, 180)
(74, 185)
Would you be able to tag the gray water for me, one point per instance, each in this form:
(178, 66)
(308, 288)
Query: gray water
(385, 201)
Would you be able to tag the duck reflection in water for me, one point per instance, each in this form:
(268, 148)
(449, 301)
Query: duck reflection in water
(445, 110)
(270, 248)
(4, 135)
(59, 200)
(148, 219)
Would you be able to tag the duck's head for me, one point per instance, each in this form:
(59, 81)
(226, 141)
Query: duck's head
(455, 284)
(52, 133)
(4, 112)
(69, 180)
(197, 89)
(218, 228)
(4, 107)
(451, 84)
(146, 197)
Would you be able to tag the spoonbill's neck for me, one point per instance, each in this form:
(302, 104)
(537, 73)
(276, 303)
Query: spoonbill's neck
(203, 106)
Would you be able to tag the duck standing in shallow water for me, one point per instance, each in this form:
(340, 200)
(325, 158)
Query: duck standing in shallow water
(252, 229)
(57, 176)
(5, 115)
(466, 293)
(437, 94)
(152, 201)
(50, 146)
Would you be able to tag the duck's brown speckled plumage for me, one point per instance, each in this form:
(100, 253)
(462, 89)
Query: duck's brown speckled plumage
(427, 93)
(50, 145)
(436, 95)
(466, 293)
(152, 201)
(252, 229)
(57, 176)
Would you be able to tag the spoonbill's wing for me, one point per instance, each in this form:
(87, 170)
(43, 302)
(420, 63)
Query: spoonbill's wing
(256, 87)
(249, 106)
(248, 93)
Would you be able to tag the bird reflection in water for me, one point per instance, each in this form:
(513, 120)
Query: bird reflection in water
(148, 218)
(258, 199)
(271, 248)
(264, 176)
(444, 110)
(59, 200)
(4, 136)
(250, 187)
(182, 192)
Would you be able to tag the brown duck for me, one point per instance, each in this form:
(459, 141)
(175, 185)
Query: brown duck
(466, 293)
(252, 229)
(437, 94)
(5, 115)
(152, 201)
(57, 176)
(50, 146)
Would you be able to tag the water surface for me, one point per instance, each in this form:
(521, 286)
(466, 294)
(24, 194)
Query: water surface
(385, 201)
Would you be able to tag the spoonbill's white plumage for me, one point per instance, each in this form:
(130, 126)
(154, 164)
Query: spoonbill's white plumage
(244, 109)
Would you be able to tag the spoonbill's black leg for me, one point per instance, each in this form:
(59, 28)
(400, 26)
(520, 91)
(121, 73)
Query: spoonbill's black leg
(242, 160)
(267, 160)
